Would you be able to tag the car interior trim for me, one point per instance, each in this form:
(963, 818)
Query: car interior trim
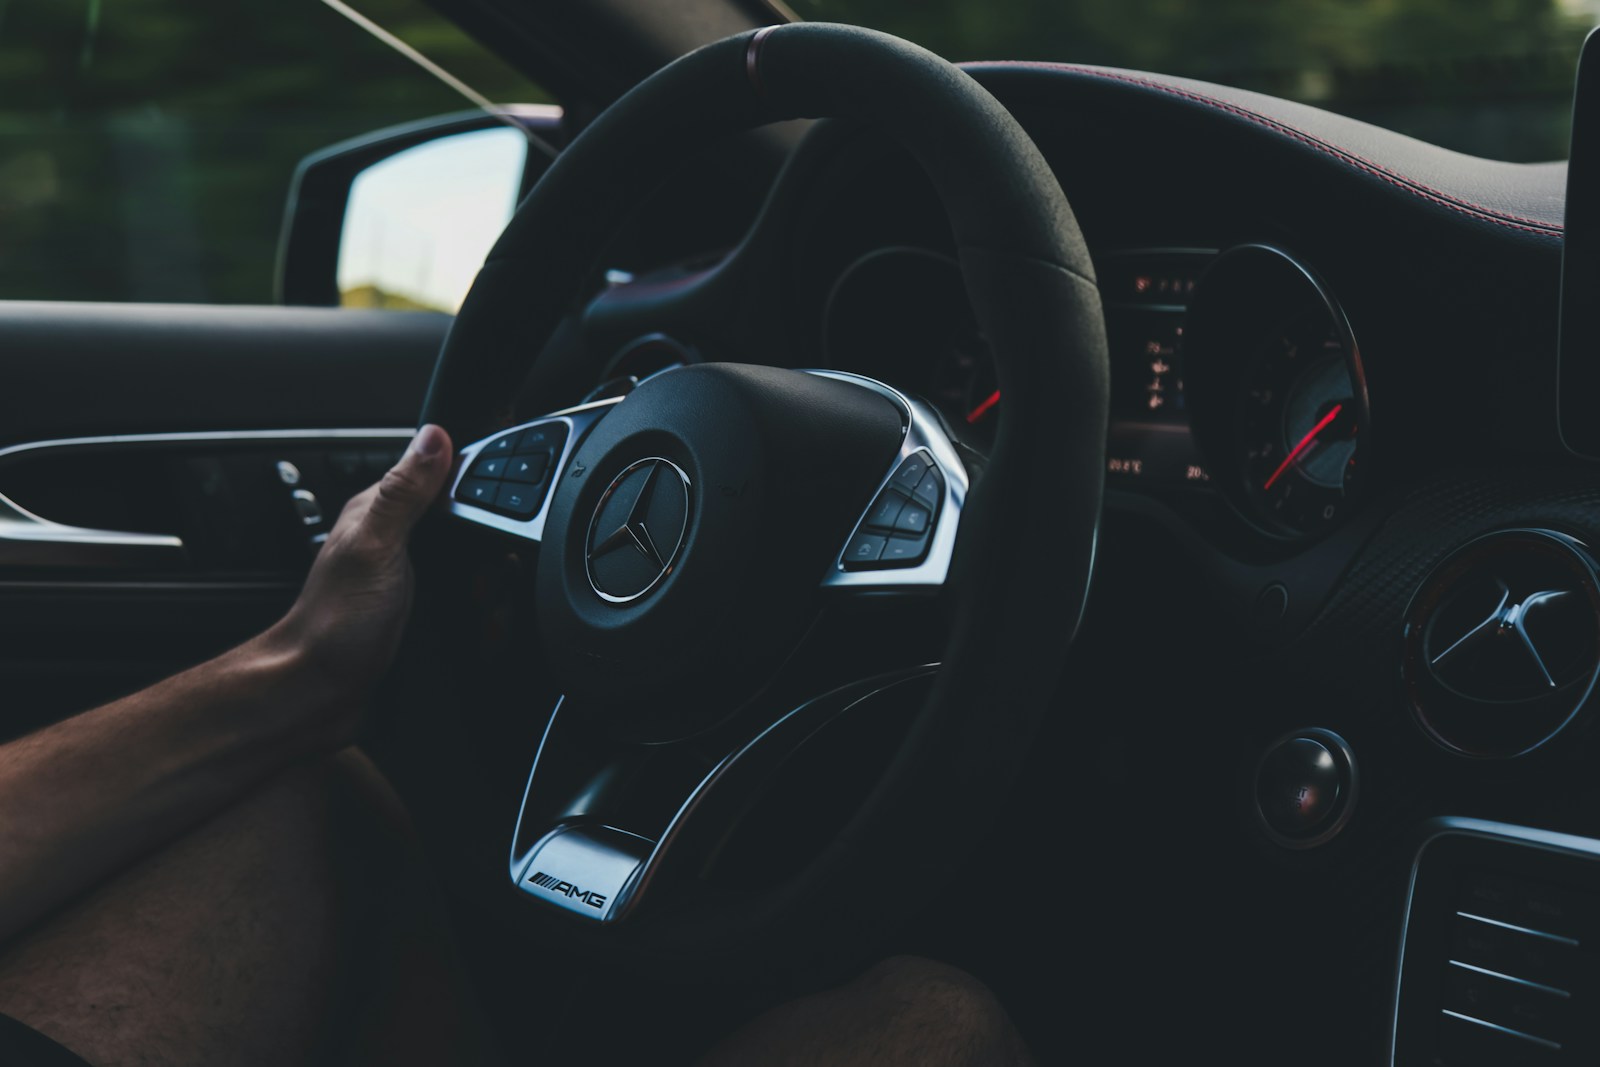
(590, 853)
(923, 431)
(1185, 89)
(1540, 1041)
(1547, 840)
(121, 440)
(578, 421)
(29, 540)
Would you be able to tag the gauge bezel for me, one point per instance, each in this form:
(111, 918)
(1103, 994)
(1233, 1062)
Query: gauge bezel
(1224, 332)
(849, 307)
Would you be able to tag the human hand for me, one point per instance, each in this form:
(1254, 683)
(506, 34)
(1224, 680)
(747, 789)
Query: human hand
(348, 619)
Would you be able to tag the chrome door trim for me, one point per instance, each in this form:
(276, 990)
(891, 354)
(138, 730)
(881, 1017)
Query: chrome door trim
(30, 540)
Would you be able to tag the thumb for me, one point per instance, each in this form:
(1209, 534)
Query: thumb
(411, 485)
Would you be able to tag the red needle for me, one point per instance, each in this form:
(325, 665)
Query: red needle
(983, 409)
(1305, 443)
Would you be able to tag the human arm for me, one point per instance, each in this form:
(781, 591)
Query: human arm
(83, 798)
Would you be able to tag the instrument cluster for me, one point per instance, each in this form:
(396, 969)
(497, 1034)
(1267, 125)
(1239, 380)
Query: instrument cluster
(1234, 373)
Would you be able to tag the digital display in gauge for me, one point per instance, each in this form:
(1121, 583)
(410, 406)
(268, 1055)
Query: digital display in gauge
(1146, 370)
(1146, 292)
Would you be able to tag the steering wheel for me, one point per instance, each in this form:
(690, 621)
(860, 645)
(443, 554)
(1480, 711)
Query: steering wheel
(708, 540)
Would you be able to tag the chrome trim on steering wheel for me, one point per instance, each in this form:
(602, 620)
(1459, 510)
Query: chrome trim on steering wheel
(578, 860)
(923, 432)
(578, 421)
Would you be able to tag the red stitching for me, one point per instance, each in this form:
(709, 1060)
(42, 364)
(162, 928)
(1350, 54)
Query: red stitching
(1377, 170)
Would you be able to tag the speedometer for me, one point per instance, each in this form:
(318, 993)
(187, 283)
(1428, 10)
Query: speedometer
(1278, 394)
(1299, 427)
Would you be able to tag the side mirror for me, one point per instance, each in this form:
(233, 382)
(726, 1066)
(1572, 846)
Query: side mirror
(403, 217)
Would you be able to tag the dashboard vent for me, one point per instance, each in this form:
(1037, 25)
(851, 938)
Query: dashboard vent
(1501, 952)
(1502, 643)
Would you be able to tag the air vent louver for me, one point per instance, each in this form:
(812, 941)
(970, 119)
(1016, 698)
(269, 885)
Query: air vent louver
(1502, 642)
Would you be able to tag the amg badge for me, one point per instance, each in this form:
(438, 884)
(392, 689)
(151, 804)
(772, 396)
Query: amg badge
(567, 889)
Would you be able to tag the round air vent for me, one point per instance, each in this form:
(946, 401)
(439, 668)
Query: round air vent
(1502, 643)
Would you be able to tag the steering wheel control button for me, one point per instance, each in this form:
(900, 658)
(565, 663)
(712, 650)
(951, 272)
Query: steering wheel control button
(489, 467)
(637, 529)
(863, 551)
(897, 529)
(288, 473)
(477, 491)
(1305, 787)
(520, 500)
(885, 510)
(549, 437)
(914, 520)
(909, 474)
(503, 445)
(904, 551)
(529, 469)
(931, 489)
(510, 474)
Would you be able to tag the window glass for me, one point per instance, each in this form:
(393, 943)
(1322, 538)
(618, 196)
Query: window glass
(418, 224)
(1490, 77)
(146, 146)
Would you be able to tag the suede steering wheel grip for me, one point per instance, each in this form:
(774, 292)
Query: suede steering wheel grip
(1026, 546)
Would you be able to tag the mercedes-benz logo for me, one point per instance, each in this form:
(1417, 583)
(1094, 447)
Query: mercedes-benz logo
(1502, 642)
(1507, 621)
(637, 530)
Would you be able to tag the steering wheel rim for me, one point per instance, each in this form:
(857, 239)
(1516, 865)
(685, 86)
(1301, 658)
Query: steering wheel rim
(1025, 549)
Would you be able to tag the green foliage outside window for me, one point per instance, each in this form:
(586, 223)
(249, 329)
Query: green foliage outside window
(146, 146)
(1489, 77)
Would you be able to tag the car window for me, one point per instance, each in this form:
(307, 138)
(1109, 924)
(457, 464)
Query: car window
(1490, 77)
(419, 224)
(146, 146)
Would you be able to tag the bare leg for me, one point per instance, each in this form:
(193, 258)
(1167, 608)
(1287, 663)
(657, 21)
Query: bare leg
(249, 942)
(903, 1011)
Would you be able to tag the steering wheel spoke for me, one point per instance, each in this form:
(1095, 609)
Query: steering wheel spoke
(505, 481)
(905, 539)
(605, 824)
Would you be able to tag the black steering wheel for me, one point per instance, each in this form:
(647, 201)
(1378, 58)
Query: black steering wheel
(703, 539)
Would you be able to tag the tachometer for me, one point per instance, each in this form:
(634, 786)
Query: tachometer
(1277, 391)
(1299, 427)
(901, 315)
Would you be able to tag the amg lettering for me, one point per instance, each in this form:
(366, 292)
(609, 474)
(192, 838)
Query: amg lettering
(567, 889)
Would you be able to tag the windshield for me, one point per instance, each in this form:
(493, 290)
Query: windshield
(1489, 77)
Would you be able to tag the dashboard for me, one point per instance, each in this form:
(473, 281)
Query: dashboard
(1232, 372)
(1333, 437)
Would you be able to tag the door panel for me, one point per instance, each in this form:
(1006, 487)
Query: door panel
(166, 473)
(81, 370)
